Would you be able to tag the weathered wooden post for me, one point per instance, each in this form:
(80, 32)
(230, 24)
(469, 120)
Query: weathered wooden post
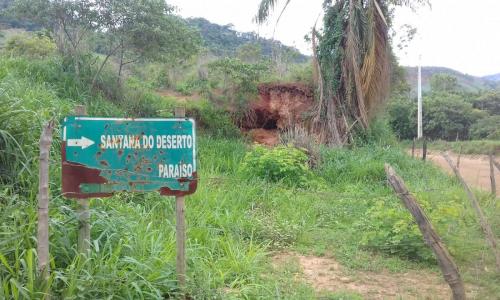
(446, 263)
(497, 165)
(492, 177)
(413, 148)
(43, 201)
(180, 112)
(83, 208)
(485, 226)
(424, 150)
(458, 157)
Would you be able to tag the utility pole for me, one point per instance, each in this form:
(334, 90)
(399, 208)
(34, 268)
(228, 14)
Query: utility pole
(419, 129)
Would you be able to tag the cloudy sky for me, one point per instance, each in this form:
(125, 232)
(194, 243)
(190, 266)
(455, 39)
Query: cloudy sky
(459, 34)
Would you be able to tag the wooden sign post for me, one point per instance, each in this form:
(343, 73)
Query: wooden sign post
(180, 227)
(83, 208)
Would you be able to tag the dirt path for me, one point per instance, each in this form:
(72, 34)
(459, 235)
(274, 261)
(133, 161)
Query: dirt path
(474, 168)
(326, 274)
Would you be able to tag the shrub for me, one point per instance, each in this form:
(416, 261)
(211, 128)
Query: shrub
(299, 137)
(237, 79)
(283, 163)
(213, 121)
(489, 102)
(389, 228)
(31, 46)
(402, 113)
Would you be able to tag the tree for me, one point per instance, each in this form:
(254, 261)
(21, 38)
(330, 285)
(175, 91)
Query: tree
(128, 30)
(144, 30)
(352, 60)
(237, 79)
(444, 83)
(486, 128)
(489, 101)
(70, 22)
(249, 52)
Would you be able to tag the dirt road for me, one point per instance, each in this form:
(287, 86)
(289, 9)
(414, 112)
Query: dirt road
(474, 168)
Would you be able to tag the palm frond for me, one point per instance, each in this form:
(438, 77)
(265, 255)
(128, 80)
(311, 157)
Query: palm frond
(265, 9)
(376, 65)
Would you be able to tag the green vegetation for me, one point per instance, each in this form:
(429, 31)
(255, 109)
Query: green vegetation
(280, 164)
(252, 202)
(222, 40)
(235, 222)
(449, 112)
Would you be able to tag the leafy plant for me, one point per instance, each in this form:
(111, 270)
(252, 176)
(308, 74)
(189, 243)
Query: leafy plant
(237, 79)
(30, 46)
(280, 164)
(486, 128)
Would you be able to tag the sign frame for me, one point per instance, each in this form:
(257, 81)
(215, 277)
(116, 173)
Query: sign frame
(82, 177)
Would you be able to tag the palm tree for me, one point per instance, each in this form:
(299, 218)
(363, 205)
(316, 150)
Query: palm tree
(351, 61)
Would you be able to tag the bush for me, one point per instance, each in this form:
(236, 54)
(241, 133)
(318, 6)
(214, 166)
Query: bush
(213, 121)
(402, 113)
(486, 128)
(389, 228)
(31, 46)
(280, 164)
(448, 116)
(238, 80)
(445, 116)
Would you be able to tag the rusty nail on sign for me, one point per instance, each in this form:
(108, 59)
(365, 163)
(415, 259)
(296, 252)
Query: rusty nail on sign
(101, 156)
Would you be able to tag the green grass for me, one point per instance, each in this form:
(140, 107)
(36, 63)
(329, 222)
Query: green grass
(465, 147)
(235, 223)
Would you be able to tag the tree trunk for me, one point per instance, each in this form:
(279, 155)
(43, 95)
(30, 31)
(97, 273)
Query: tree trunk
(94, 80)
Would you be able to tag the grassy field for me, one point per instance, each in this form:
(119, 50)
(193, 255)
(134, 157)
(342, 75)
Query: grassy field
(236, 223)
(465, 147)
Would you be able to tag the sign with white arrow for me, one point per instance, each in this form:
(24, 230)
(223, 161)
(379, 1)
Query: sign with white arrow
(101, 156)
(81, 142)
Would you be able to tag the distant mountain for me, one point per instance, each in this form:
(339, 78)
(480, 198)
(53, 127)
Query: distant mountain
(222, 40)
(468, 82)
(494, 77)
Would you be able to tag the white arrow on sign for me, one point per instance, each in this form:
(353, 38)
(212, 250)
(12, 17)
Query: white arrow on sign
(83, 142)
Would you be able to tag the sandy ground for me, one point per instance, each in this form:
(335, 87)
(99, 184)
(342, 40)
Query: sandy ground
(264, 136)
(326, 274)
(474, 168)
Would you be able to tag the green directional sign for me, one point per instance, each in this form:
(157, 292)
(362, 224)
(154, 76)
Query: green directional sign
(102, 156)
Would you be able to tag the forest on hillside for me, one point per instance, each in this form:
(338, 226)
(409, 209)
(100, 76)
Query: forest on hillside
(309, 216)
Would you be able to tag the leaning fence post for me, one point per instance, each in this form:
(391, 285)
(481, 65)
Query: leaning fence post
(485, 226)
(497, 165)
(446, 263)
(83, 208)
(424, 149)
(413, 148)
(458, 157)
(180, 112)
(492, 177)
(43, 201)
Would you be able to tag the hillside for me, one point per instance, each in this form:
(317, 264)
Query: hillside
(222, 40)
(468, 82)
(494, 77)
